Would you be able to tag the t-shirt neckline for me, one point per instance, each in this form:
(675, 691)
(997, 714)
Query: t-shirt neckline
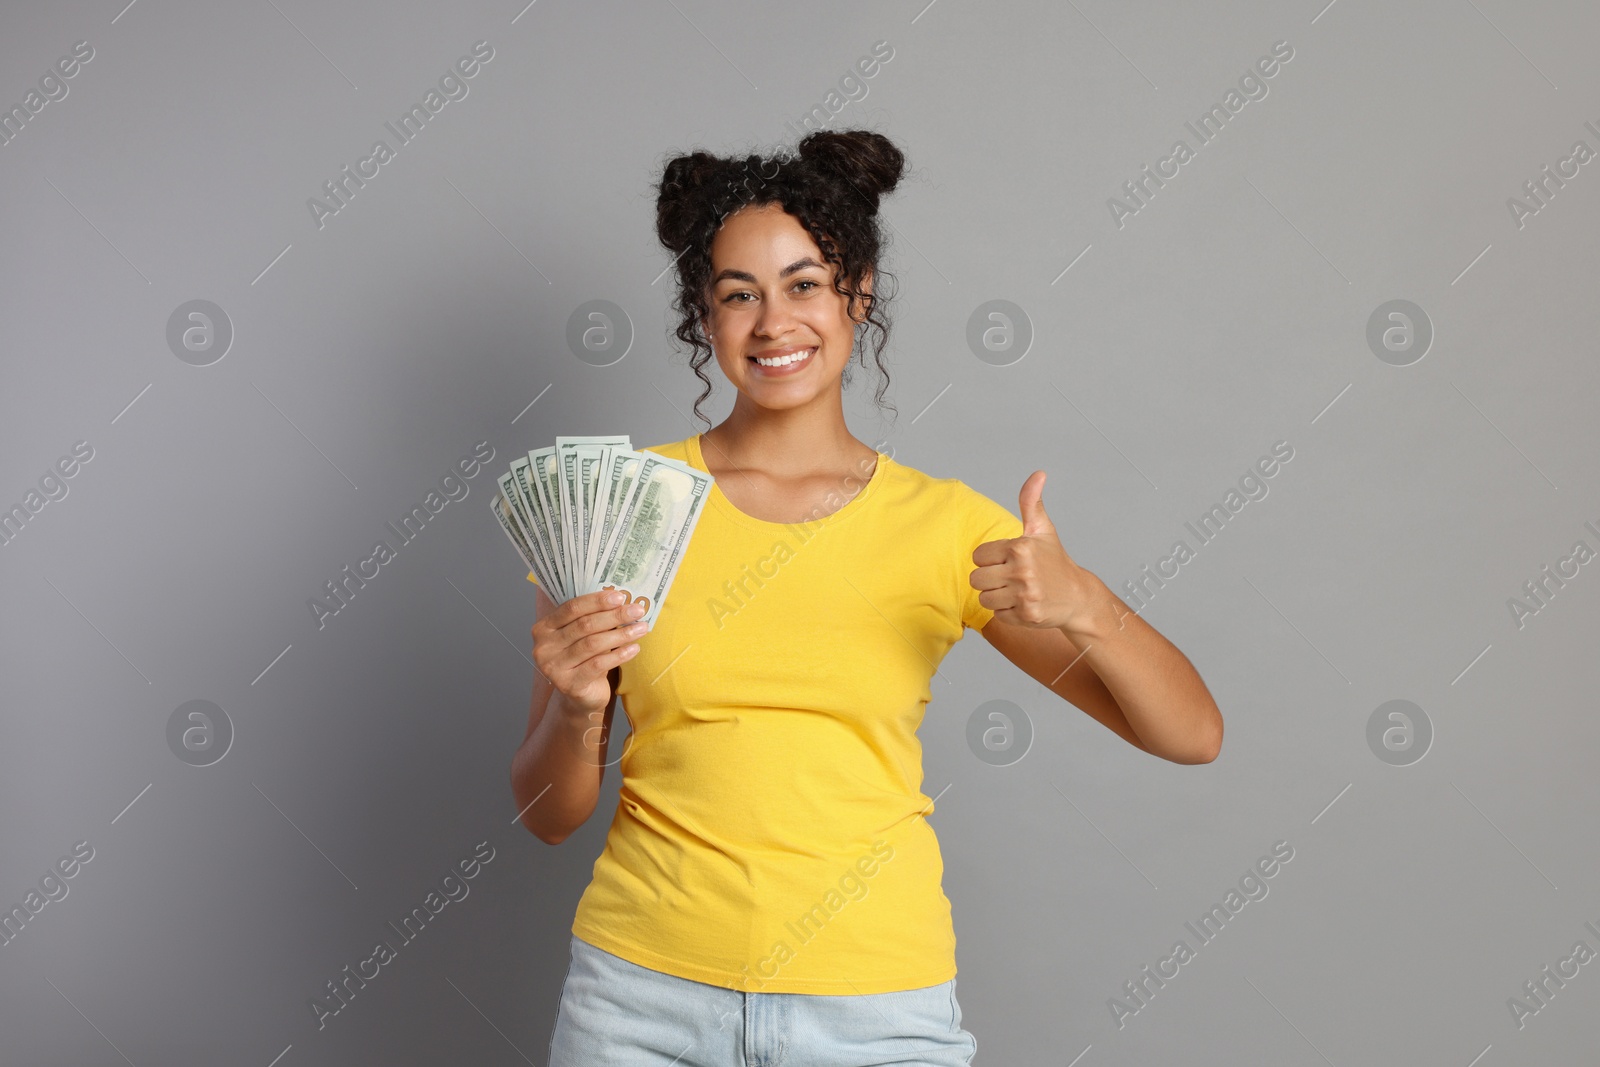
(720, 501)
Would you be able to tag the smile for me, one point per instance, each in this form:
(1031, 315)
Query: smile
(786, 364)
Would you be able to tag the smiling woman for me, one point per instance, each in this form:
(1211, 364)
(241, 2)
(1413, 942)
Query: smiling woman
(774, 736)
(818, 214)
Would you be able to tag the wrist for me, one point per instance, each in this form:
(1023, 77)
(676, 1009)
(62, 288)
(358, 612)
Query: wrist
(1101, 614)
(576, 711)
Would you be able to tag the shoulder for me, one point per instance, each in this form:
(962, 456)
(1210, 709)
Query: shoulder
(972, 512)
(949, 490)
(919, 480)
(678, 450)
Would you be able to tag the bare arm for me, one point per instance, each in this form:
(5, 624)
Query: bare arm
(1177, 718)
(1050, 613)
(557, 770)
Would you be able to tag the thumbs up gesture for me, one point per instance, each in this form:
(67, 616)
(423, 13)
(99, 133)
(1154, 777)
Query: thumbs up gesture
(1030, 580)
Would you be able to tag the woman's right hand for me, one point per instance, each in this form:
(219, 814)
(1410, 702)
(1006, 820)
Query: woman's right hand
(576, 644)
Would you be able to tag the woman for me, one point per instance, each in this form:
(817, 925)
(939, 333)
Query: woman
(769, 892)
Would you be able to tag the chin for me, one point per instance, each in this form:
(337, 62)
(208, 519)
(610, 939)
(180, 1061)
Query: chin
(787, 402)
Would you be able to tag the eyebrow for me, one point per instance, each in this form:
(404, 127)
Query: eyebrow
(745, 276)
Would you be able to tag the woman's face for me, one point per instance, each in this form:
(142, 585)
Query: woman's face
(772, 295)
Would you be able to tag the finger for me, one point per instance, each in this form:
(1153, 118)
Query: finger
(566, 611)
(605, 642)
(602, 663)
(591, 652)
(567, 656)
(991, 552)
(605, 619)
(998, 599)
(580, 606)
(1035, 523)
(988, 577)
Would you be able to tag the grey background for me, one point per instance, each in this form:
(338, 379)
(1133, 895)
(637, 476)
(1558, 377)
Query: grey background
(371, 354)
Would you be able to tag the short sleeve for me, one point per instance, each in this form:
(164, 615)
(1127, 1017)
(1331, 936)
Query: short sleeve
(980, 520)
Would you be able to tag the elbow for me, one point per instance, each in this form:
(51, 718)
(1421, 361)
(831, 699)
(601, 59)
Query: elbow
(542, 831)
(1213, 746)
(1197, 757)
(544, 834)
(1205, 750)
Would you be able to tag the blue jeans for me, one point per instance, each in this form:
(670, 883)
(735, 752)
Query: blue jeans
(614, 1012)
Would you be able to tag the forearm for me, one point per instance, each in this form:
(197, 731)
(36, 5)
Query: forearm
(1160, 693)
(555, 773)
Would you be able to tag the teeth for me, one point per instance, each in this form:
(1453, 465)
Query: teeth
(784, 361)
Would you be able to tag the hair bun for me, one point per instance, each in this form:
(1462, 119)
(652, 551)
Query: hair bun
(868, 161)
(685, 180)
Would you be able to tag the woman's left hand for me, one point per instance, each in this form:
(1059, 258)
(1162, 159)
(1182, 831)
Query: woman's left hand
(1030, 580)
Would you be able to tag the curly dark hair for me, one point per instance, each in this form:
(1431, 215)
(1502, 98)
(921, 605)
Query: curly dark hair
(831, 185)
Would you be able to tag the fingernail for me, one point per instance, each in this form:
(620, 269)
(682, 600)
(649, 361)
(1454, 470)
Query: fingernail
(636, 610)
(617, 598)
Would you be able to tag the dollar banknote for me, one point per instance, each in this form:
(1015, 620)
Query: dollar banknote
(590, 513)
(652, 531)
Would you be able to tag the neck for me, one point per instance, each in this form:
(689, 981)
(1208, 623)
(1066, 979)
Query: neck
(805, 438)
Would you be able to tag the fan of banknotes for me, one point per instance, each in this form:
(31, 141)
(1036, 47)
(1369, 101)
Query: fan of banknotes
(590, 513)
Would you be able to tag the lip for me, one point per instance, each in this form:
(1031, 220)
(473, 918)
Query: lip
(783, 371)
(788, 369)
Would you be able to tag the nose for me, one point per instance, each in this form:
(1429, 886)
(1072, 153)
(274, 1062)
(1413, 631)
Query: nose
(774, 319)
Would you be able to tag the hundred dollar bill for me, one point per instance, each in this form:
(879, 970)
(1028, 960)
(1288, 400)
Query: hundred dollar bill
(576, 461)
(519, 514)
(519, 518)
(590, 458)
(616, 479)
(579, 459)
(653, 531)
(590, 513)
(546, 483)
(502, 511)
(538, 536)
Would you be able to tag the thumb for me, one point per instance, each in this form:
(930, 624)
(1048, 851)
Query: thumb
(1035, 523)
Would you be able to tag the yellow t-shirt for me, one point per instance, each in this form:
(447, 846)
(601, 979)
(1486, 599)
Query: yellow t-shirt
(772, 832)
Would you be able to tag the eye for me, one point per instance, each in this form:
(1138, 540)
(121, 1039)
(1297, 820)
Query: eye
(733, 298)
